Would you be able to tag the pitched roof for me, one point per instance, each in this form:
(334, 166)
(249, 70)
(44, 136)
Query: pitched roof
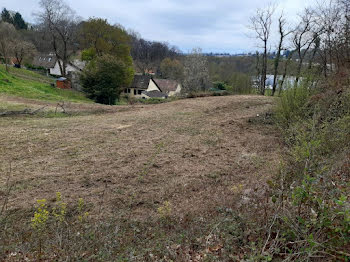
(141, 81)
(78, 64)
(166, 85)
(154, 94)
(47, 61)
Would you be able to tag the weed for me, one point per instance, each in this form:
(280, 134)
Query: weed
(59, 212)
(313, 211)
(165, 210)
(41, 216)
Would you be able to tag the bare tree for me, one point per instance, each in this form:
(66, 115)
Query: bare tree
(7, 36)
(304, 38)
(38, 37)
(261, 25)
(283, 33)
(345, 43)
(148, 55)
(59, 22)
(22, 50)
(196, 72)
(285, 70)
(327, 15)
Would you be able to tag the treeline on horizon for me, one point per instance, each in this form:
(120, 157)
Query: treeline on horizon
(159, 58)
(301, 48)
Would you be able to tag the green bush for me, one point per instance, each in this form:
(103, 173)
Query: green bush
(291, 105)
(105, 77)
(153, 101)
(313, 185)
(220, 85)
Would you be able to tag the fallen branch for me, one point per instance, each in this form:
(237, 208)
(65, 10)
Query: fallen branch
(62, 106)
(26, 111)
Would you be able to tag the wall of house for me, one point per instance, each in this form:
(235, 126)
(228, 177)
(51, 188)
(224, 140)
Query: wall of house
(143, 96)
(132, 92)
(56, 70)
(148, 97)
(152, 86)
(176, 92)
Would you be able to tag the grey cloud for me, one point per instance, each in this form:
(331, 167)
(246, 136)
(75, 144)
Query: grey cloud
(213, 25)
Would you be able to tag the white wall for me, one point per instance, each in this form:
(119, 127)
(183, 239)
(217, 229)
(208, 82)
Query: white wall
(56, 70)
(152, 86)
(176, 92)
(132, 92)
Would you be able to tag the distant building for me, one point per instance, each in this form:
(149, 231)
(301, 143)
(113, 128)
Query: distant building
(144, 86)
(51, 64)
(288, 81)
(63, 83)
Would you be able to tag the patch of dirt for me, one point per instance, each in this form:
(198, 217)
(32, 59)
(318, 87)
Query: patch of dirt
(194, 153)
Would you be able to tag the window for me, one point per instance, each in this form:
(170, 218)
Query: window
(49, 59)
(135, 92)
(139, 92)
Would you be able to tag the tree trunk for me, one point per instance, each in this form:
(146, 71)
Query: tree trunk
(264, 70)
(277, 61)
(285, 72)
(6, 65)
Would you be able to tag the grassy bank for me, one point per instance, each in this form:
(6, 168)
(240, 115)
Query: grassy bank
(310, 215)
(28, 84)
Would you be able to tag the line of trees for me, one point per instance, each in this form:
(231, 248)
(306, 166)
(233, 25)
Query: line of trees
(16, 20)
(59, 30)
(316, 42)
(12, 45)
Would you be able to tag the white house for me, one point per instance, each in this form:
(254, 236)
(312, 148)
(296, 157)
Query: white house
(144, 86)
(50, 63)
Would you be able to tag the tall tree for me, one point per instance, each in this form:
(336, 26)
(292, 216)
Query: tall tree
(285, 70)
(196, 72)
(101, 38)
(283, 33)
(23, 50)
(305, 35)
(6, 16)
(329, 17)
(59, 23)
(7, 37)
(171, 69)
(18, 22)
(261, 25)
(105, 78)
(110, 66)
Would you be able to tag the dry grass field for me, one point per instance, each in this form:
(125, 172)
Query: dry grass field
(201, 155)
(192, 153)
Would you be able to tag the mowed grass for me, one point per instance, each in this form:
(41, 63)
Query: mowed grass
(157, 181)
(28, 84)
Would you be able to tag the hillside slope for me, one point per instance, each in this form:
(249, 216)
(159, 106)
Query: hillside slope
(28, 84)
(174, 172)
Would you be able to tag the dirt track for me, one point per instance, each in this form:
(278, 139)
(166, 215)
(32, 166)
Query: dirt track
(194, 153)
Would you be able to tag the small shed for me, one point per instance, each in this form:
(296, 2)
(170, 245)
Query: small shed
(63, 83)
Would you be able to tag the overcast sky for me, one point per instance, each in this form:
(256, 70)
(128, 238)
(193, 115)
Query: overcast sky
(215, 26)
